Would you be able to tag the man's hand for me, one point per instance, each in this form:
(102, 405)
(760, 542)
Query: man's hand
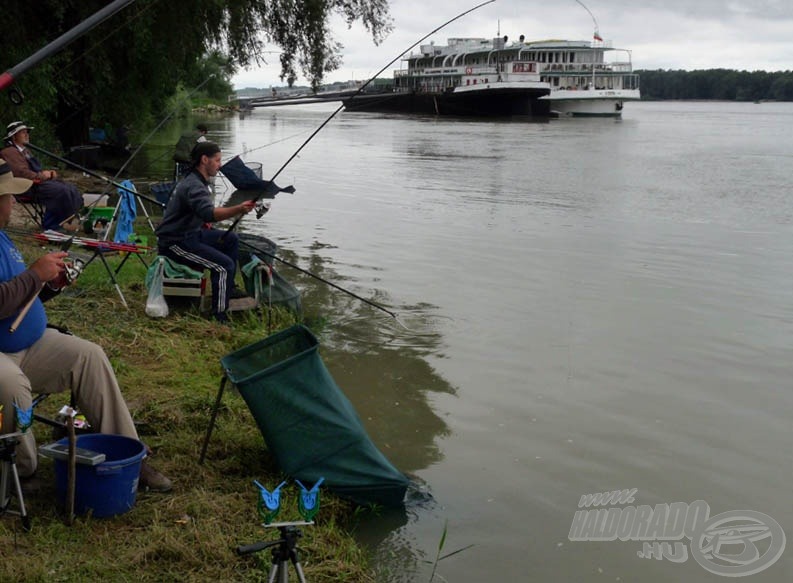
(222, 213)
(50, 266)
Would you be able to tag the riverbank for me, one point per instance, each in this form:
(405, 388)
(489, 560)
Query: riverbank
(169, 371)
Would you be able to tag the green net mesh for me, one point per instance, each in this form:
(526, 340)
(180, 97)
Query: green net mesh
(308, 424)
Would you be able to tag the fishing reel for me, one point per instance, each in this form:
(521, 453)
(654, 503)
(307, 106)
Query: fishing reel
(73, 268)
(262, 208)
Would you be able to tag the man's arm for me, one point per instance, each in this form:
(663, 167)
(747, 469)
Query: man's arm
(18, 291)
(226, 212)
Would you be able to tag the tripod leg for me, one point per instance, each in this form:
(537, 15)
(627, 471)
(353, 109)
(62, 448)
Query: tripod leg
(299, 570)
(22, 512)
(5, 497)
(278, 572)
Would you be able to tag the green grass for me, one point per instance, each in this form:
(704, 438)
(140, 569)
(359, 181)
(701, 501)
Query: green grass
(169, 371)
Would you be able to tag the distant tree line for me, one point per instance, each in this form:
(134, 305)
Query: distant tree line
(722, 84)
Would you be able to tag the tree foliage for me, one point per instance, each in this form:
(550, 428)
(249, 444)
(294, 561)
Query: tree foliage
(721, 84)
(124, 71)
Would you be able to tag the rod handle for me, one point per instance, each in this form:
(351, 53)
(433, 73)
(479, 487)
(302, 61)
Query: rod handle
(22, 314)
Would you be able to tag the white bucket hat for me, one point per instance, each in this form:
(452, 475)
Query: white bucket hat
(14, 127)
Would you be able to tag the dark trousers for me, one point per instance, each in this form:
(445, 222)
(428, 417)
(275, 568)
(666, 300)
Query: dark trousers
(214, 250)
(60, 200)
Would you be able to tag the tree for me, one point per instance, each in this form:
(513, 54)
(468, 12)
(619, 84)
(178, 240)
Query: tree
(124, 70)
(725, 84)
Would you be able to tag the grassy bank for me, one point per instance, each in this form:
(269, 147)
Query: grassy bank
(169, 371)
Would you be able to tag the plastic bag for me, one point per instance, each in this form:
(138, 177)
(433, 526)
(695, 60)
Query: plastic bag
(156, 306)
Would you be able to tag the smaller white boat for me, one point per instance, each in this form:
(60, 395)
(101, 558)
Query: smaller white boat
(586, 79)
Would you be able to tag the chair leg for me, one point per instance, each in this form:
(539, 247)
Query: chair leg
(212, 420)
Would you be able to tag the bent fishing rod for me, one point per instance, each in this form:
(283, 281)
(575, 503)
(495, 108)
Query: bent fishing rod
(360, 89)
(8, 78)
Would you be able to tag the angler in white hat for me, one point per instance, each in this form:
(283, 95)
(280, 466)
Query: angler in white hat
(61, 200)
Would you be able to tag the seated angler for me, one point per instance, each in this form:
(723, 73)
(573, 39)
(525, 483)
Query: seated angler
(182, 235)
(61, 200)
(37, 358)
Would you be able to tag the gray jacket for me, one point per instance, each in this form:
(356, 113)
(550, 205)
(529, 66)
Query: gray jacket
(190, 206)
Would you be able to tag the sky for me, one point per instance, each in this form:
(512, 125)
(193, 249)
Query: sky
(661, 34)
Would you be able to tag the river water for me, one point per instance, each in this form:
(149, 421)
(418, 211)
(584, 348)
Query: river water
(588, 306)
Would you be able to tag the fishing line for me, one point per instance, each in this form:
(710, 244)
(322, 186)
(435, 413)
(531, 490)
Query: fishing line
(326, 282)
(360, 89)
(95, 46)
(101, 41)
(155, 130)
(275, 142)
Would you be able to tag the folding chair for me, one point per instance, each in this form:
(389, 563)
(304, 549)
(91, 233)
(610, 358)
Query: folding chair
(33, 208)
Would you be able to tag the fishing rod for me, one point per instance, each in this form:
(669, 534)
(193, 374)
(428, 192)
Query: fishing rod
(360, 89)
(325, 281)
(9, 77)
(77, 166)
(159, 125)
(26, 308)
(112, 181)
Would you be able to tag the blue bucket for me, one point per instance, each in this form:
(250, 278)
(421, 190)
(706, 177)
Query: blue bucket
(109, 488)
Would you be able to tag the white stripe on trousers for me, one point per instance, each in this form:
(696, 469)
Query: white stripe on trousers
(222, 300)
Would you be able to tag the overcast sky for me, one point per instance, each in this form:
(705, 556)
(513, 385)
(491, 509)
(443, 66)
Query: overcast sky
(661, 34)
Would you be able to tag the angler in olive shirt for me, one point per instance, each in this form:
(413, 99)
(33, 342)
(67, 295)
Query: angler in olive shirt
(35, 358)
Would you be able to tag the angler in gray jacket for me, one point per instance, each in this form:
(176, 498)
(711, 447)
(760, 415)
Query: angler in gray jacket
(185, 236)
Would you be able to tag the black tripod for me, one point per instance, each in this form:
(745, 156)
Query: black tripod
(283, 551)
(9, 475)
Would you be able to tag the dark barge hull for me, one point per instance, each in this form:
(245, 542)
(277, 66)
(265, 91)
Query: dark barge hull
(487, 103)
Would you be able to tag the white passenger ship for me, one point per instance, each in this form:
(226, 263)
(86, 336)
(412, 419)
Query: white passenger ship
(487, 77)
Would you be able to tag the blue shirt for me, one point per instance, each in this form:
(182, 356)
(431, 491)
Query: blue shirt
(35, 322)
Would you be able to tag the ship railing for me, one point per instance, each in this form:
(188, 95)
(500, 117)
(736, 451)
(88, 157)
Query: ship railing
(585, 67)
